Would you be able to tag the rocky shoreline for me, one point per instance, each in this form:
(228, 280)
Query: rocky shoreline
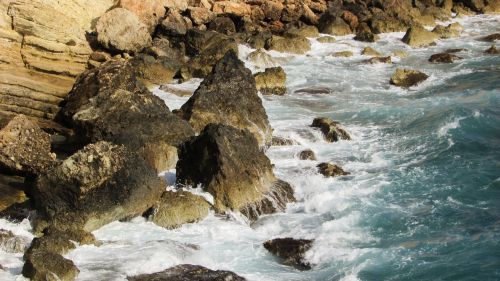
(83, 138)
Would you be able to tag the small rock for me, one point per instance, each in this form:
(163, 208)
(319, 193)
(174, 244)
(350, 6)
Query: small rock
(314, 90)
(11, 243)
(280, 141)
(288, 44)
(188, 272)
(291, 250)
(491, 38)
(307, 155)
(455, 50)
(400, 54)
(492, 50)
(450, 31)
(331, 130)
(369, 51)
(11, 190)
(417, 36)
(326, 39)
(331, 170)
(444, 58)
(375, 60)
(407, 77)
(169, 88)
(271, 82)
(344, 54)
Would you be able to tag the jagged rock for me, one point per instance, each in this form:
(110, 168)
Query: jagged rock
(444, 58)
(229, 96)
(292, 12)
(450, 31)
(258, 40)
(223, 25)
(59, 242)
(272, 10)
(261, 59)
(25, 148)
(369, 51)
(45, 266)
(326, 39)
(99, 184)
(149, 12)
(383, 23)
(177, 208)
(44, 47)
(188, 272)
(417, 37)
(407, 77)
(11, 243)
(333, 25)
(400, 53)
(280, 141)
(375, 60)
(491, 38)
(201, 16)
(206, 48)
(331, 170)
(365, 34)
(180, 5)
(11, 190)
(231, 8)
(307, 155)
(492, 50)
(163, 48)
(344, 54)
(351, 19)
(174, 24)
(155, 71)
(234, 170)
(291, 250)
(288, 44)
(304, 31)
(271, 82)
(120, 30)
(331, 130)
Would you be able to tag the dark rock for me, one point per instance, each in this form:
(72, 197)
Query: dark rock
(175, 24)
(155, 71)
(258, 40)
(99, 184)
(491, 38)
(333, 25)
(45, 266)
(229, 96)
(272, 81)
(331, 130)
(223, 25)
(11, 190)
(307, 155)
(25, 148)
(291, 251)
(444, 58)
(188, 272)
(331, 170)
(407, 77)
(163, 48)
(365, 34)
(456, 50)
(228, 163)
(280, 141)
(315, 90)
(177, 208)
(492, 50)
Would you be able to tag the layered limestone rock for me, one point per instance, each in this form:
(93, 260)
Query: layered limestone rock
(44, 47)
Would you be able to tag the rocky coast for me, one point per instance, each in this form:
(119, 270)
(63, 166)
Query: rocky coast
(86, 140)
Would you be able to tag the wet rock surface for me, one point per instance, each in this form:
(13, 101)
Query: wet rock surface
(332, 131)
(188, 272)
(407, 77)
(417, 37)
(11, 243)
(331, 170)
(291, 251)
(271, 82)
(444, 58)
(307, 154)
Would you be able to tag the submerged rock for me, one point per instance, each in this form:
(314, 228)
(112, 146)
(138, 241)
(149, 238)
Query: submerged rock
(491, 38)
(291, 251)
(293, 44)
(234, 170)
(492, 50)
(314, 90)
(11, 243)
(177, 208)
(271, 82)
(307, 155)
(331, 170)
(327, 39)
(25, 148)
(331, 130)
(344, 54)
(280, 141)
(407, 77)
(375, 60)
(369, 51)
(444, 58)
(455, 50)
(99, 184)
(303, 31)
(417, 37)
(188, 272)
(229, 96)
(400, 54)
(450, 31)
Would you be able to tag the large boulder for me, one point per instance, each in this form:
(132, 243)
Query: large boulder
(155, 71)
(25, 148)
(44, 47)
(407, 77)
(332, 131)
(188, 272)
(45, 266)
(383, 23)
(289, 43)
(176, 208)
(101, 183)
(121, 30)
(291, 251)
(228, 96)
(174, 24)
(272, 81)
(149, 12)
(234, 170)
(417, 36)
(334, 25)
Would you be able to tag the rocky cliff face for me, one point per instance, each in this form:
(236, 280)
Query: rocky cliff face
(44, 47)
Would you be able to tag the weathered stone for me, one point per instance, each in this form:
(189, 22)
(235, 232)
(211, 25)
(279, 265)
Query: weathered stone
(232, 8)
(383, 23)
(314, 90)
(303, 31)
(365, 34)
(10, 192)
(491, 38)
(280, 141)
(326, 39)
(417, 37)
(59, 242)
(234, 170)
(188, 272)
(229, 96)
(331, 170)
(331, 130)
(155, 71)
(291, 250)
(333, 25)
(120, 30)
(450, 31)
(351, 19)
(407, 77)
(25, 148)
(45, 266)
(369, 51)
(149, 12)
(344, 54)
(444, 58)
(292, 12)
(492, 50)
(455, 50)
(177, 208)
(261, 59)
(272, 10)
(223, 25)
(11, 243)
(201, 16)
(375, 60)
(271, 82)
(288, 44)
(175, 24)
(307, 155)
(400, 53)
(99, 184)
(180, 5)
